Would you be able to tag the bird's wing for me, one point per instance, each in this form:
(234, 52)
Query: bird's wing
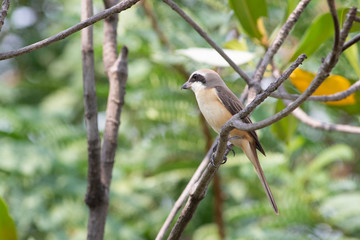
(233, 105)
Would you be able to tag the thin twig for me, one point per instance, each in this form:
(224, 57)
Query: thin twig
(123, 5)
(275, 45)
(3, 12)
(184, 195)
(323, 98)
(303, 117)
(333, 12)
(202, 33)
(322, 74)
(272, 87)
(351, 42)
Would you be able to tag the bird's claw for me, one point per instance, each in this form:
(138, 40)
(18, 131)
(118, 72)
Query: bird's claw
(228, 149)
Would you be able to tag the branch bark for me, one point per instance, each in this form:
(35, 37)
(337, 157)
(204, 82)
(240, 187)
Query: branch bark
(351, 42)
(95, 191)
(3, 12)
(279, 40)
(305, 118)
(123, 5)
(323, 73)
(323, 98)
(101, 160)
(184, 195)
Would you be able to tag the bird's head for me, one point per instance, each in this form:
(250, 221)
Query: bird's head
(203, 79)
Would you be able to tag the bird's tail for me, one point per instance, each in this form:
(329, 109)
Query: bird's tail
(251, 153)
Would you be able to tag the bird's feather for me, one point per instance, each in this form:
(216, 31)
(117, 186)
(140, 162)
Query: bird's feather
(233, 105)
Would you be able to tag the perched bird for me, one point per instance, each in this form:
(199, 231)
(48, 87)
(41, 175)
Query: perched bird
(218, 104)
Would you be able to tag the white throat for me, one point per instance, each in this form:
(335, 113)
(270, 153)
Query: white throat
(197, 86)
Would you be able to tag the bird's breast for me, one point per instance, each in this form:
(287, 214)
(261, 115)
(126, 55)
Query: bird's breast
(212, 108)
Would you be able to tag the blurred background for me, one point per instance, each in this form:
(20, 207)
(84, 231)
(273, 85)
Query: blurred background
(313, 174)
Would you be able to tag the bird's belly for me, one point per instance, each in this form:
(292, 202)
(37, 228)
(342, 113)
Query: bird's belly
(212, 109)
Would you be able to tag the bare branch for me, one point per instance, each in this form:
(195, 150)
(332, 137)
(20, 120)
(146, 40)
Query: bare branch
(284, 32)
(95, 190)
(272, 87)
(117, 78)
(351, 42)
(323, 98)
(110, 52)
(303, 117)
(123, 5)
(184, 195)
(322, 74)
(198, 192)
(202, 33)
(333, 12)
(3, 12)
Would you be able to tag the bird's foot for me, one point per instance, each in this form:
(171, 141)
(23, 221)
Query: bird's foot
(228, 149)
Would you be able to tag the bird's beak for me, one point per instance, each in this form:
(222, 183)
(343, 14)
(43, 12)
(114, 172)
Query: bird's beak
(186, 85)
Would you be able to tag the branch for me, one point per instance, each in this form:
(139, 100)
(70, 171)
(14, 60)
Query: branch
(271, 88)
(323, 98)
(198, 191)
(284, 32)
(303, 117)
(95, 190)
(351, 42)
(110, 52)
(202, 33)
(123, 5)
(184, 195)
(3, 12)
(333, 12)
(322, 74)
(117, 77)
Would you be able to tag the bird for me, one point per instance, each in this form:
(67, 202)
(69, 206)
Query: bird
(218, 104)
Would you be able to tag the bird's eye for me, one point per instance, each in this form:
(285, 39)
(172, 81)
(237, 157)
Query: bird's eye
(195, 76)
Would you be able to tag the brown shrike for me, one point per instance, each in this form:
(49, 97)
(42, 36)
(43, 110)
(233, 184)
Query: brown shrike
(218, 104)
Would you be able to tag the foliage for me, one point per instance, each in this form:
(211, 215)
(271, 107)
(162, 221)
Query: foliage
(313, 174)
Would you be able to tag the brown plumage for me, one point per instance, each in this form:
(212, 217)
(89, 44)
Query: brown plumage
(218, 104)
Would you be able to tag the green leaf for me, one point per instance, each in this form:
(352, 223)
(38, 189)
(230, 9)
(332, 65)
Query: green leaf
(7, 226)
(319, 31)
(286, 127)
(291, 5)
(248, 13)
(352, 56)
